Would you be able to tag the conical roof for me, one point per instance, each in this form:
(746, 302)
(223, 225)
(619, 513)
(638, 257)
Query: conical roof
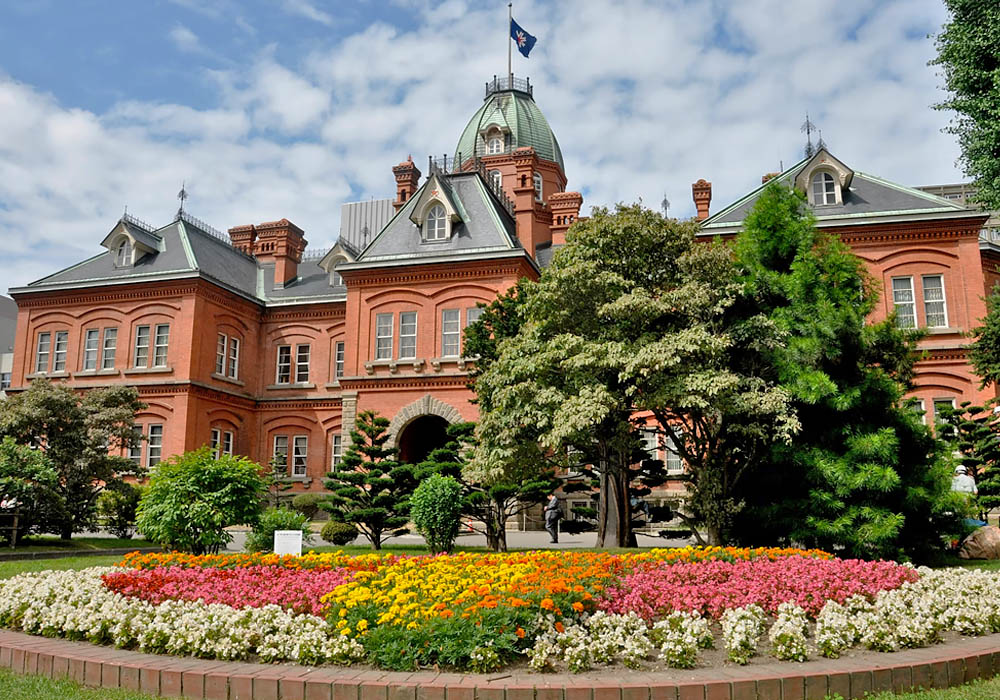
(513, 110)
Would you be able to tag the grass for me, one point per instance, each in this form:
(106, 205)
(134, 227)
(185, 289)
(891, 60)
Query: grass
(15, 687)
(45, 543)
(977, 690)
(13, 568)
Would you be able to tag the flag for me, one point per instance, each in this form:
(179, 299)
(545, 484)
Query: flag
(524, 41)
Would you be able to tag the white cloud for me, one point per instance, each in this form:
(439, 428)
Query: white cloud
(184, 39)
(645, 98)
(306, 9)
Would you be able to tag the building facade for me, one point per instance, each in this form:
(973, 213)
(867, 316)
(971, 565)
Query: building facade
(253, 344)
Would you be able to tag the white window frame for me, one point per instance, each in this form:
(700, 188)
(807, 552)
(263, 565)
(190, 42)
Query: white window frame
(221, 350)
(496, 179)
(943, 300)
(300, 455)
(536, 181)
(233, 360)
(135, 451)
(5, 380)
(43, 351)
(284, 365)
(336, 451)
(950, 400)
(161, 344)
(302, 352)
(280, 444)
(154, 444)
(91, 345)
(336, 280)
(922, 407)
(494, 144)
(227, 442)
(824, 189)
(672, 461)
(383, 336)
(451, 332)
(214, 440)
(473, 314)
(407, 335)
(109, 348)
(140, 347)
(338, 359)
(60, 347)
(912, 303)
(650, 439)
(124, 253)
(436, 223)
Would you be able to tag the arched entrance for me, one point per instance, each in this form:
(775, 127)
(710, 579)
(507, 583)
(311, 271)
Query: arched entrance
(420, 437)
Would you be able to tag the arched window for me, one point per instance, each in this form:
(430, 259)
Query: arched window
(537, 179)
(335, 279)
(824, 189)
(494, 144)
(496, 179)
(123, 256)
(435, 225)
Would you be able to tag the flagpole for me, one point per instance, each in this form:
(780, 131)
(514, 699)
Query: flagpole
(510, 72)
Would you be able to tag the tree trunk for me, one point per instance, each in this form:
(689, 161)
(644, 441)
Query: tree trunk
(66, 532)
(496, 528)
(613, 522)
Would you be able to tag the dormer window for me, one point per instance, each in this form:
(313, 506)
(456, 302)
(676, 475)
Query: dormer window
(436, 224)
(336, 280)
(494, 145)
(824, 189)
(123, 253)
(537, 180)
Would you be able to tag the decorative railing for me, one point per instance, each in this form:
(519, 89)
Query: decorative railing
(445, 166)
(138, 223)
(508, 82)
(316, 254)
(206, 228)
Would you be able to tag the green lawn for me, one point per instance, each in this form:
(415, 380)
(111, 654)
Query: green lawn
(13, 568)
(47, 543)
(14, 687)
(977, 690)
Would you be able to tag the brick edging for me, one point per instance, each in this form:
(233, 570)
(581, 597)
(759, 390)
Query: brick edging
(932, 667)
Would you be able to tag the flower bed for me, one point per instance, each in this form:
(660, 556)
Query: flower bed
(484, 611)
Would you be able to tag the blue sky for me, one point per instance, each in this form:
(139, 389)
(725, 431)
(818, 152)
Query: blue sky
(288, 108)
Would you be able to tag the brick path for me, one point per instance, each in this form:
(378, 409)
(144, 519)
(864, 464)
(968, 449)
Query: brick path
(933, 667)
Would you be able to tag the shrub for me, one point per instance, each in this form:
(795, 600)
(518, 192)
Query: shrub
(116, 507)
(308, 504)
(261, 539)
(338, 533)
(29, 480)
(436, 509)
(193, 497)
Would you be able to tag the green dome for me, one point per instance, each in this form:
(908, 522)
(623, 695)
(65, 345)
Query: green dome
(514, 111)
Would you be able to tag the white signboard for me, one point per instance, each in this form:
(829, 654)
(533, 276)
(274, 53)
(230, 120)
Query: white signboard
(288, 542)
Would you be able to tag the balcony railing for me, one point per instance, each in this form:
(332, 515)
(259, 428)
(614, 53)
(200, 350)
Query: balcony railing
(506, 83)
(459, 164)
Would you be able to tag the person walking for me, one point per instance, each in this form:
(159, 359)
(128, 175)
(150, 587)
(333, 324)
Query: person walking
(552, 516)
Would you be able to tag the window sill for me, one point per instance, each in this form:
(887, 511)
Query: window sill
(149, 370)
(460, 362)
(96, 373)
(335, 384)
(50, 375)
(304, 480)
(944, 331)
(394, 365)
(297, 385)
(223, 378)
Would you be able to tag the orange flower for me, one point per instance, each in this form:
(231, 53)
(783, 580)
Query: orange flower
(519, 632)
(578, 606)
(559, 628)
(547, 604)
(447, 613)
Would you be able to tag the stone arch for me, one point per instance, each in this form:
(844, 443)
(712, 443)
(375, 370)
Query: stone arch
(426, 405)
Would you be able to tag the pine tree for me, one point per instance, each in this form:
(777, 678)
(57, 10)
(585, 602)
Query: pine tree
(973, 435)
(863, 475)
(984, 352)
(370, 489)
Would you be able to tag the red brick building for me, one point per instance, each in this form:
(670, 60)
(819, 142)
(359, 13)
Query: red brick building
(253, 344)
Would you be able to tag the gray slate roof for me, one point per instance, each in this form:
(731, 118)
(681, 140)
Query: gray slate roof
(868, 198)
(8, 323)
(486, 227)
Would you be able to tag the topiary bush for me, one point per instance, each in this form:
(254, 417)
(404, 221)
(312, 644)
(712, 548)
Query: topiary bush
(308, 503)
(338, 533)
(261, 538)
(116, 506)
(193, 497)
(436, 509)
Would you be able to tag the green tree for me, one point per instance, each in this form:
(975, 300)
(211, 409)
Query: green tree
(369, 488)
(973, 435)
(984, 351)
(632, 315)
(436, 509)
(261, 538)
(493, 503)
(863, 475)
(193, 497)
(969, 56)
(117, 506)
(276, 481)
(81, 435)
(27, 488)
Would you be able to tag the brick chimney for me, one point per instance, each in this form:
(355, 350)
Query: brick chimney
(282, 243)
(407, 181)
(702, 193)
(565, 208)
(533, 221)
(243, 237)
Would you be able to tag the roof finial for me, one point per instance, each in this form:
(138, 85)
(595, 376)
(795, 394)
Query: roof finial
(182, 195)
(807, 128)
(665, 205)
(821, 144)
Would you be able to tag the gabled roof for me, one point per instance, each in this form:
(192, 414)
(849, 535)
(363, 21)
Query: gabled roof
(485, 226)
(866, 199)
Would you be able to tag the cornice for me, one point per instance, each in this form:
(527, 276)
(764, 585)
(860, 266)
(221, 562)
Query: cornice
(406, 382)
(910, 232)
(336, 309)
(299, 404)
(137, 292)
(439, 271)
